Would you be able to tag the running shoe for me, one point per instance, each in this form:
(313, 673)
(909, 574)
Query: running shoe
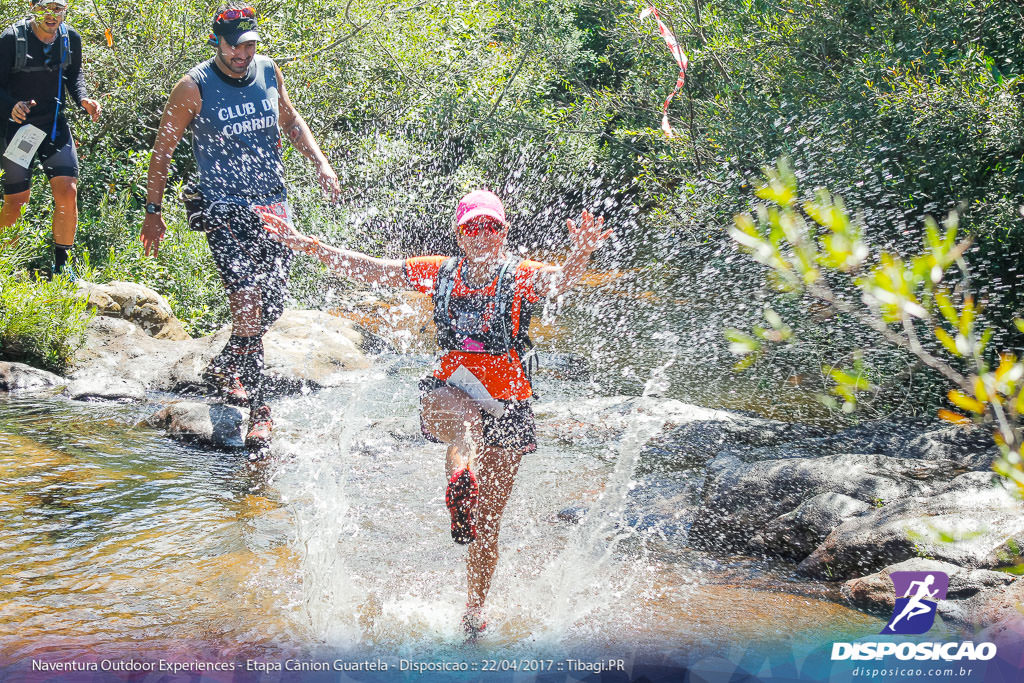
(473, 624)
(461, 497)
(227, 386)
(260, 426)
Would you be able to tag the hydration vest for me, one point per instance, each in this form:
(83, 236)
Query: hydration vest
(480, 323)
(21, 29)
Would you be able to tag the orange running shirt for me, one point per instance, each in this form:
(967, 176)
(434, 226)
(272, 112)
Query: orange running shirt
(502, 376)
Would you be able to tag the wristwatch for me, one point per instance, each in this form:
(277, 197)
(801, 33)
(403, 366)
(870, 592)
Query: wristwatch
(152, 208)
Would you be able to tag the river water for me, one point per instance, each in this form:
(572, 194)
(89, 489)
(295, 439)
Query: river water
(118, 541)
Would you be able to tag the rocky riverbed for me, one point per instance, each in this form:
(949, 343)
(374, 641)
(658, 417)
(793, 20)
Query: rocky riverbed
(847, 507)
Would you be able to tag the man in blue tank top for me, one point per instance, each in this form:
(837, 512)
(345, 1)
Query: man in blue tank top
(236, 105)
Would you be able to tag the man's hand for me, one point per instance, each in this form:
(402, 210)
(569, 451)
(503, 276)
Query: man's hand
(153, 229)
(92, 108)
(21, 110)
(329, 181)
(588, 236)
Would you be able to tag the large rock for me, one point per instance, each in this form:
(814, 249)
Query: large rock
(315, 347)
(1002, 609)
(209, 424)
(796, 534)
(875, 593)
(973, 522)
(969, 447)
(18, 378)
(690, 435)
(104, 388)
(137, 304)
(308, 348)
(741, 498)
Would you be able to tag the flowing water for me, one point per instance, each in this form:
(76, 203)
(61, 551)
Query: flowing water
(117, 541)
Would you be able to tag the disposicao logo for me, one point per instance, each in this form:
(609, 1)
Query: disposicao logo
(914, 614)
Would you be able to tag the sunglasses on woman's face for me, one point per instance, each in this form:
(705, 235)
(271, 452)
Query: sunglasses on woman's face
(232, 14)
(473, 228)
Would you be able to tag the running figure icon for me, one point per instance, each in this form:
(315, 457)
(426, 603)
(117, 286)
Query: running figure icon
(914, 612)
(915, 607)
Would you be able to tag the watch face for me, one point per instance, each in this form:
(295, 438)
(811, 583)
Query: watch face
(152, 208)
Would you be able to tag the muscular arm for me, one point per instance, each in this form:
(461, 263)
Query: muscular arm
(295, 128)
(554, 280)
(183, 105)
(586, 237)
(360, 267)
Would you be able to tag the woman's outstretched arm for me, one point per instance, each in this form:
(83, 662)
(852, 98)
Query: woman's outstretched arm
(351, 264)
(586, 237)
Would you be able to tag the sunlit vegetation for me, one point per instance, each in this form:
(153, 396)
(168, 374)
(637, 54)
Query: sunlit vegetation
(923, 303)
(906, 109)
(41, 320)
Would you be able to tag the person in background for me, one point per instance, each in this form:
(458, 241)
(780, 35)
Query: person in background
(236, 105)
(40, 71)
(477, 401)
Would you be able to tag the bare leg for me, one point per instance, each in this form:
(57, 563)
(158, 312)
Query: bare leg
(65, 212)
(11, 211)
(246, 312)
(497, 472)
(452, 417)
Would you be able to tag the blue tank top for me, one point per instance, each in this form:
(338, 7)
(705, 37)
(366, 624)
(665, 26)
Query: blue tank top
(236, 140)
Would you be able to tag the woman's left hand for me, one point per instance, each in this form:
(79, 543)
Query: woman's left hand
(589, 235)
(285, 233)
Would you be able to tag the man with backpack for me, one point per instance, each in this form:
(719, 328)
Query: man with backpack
(40, 70)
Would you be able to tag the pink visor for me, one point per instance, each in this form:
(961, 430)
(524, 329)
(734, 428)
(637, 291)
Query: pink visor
(480, 203)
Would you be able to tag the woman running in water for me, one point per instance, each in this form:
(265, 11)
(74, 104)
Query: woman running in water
(481, 309)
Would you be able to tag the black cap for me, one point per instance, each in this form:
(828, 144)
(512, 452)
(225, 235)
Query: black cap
(235, 31)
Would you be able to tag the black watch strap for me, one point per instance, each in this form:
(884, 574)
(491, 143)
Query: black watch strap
(152, 208)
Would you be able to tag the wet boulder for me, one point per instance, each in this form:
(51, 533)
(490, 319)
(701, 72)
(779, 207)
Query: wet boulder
(315, 347)
(135, 303)
(208, 424)
(19, 378)
(875, 593)
(741, 498)
(104, 388)
(303, 348)
(684, 434)
(796, 534)
(999, 611)
(969, 446)
(973, 522)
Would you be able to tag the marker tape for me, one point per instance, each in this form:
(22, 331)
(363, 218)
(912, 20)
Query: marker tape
(681, 60)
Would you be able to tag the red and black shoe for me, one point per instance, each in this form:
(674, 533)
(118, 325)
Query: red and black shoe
(227, 386)
(260, 427)
(473, 624)
(461, 497)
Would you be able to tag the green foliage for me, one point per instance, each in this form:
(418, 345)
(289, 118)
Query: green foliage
(808, 245)
(41, 320)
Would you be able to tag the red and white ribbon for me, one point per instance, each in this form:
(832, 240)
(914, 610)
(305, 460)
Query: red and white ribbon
(681, 60)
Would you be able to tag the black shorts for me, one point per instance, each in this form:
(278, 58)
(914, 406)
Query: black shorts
(514, 431)
(57, 157)
(247, 258)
